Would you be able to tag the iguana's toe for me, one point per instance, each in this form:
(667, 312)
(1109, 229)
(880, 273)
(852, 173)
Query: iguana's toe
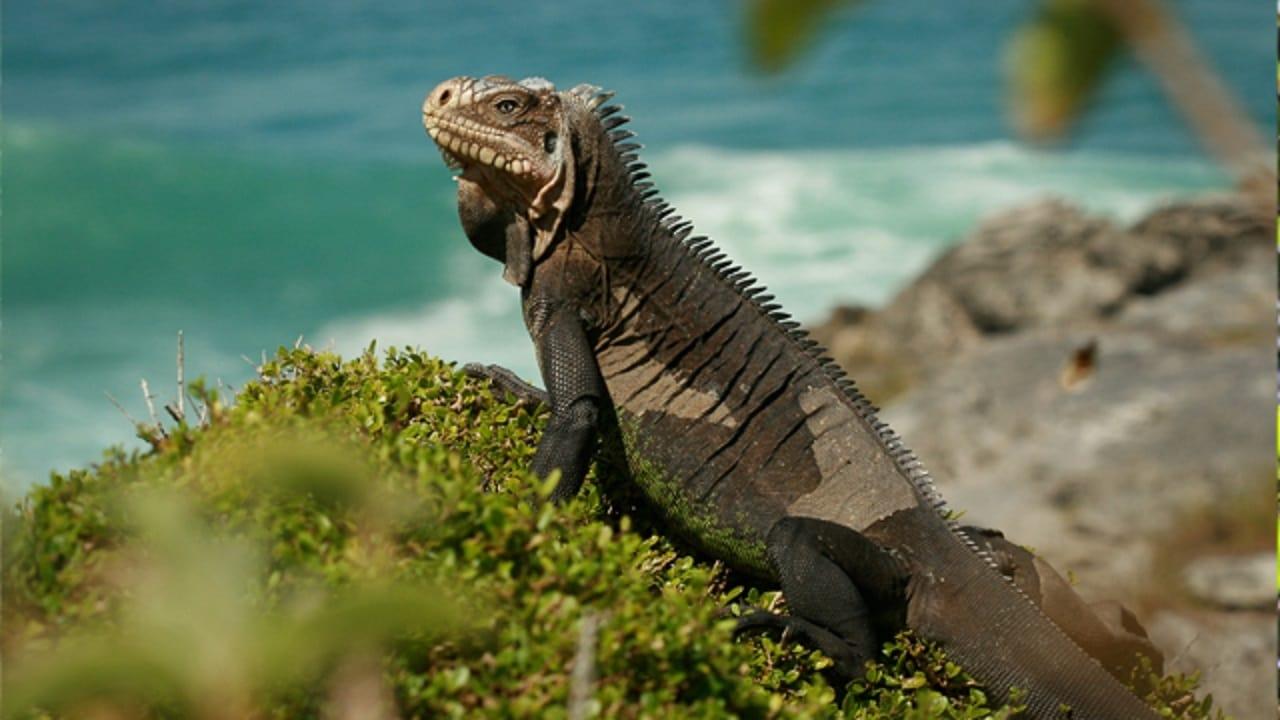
(848, 659)
(506, 381)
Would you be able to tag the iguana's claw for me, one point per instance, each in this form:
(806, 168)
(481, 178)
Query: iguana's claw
(506, 381)
(849, 661)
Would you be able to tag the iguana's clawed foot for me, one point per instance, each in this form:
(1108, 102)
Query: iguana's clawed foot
(849, 661)
(507, 381)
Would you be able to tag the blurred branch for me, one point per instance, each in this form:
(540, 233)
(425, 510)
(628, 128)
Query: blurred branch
(150, 399)
(1165, 47)
(182, 391)
(357, 691)
(1060, 58)
(582, 679)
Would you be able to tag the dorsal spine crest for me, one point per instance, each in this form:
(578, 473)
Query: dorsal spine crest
(741, 282)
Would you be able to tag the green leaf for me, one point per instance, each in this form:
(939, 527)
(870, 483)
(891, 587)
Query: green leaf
(778, 30)
(1055, 64)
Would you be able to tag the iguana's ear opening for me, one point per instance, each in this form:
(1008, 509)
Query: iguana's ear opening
(548, 210)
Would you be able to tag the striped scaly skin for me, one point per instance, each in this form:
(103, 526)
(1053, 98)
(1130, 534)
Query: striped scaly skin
(749, 443)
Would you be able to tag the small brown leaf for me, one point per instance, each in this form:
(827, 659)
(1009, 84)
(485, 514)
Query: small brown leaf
(1080, 366)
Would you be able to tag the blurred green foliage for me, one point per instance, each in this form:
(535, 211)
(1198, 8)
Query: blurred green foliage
(1055, 61)
(779, 30)
(362, 539)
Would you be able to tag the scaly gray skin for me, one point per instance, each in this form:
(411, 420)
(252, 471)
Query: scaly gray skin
(748, 442)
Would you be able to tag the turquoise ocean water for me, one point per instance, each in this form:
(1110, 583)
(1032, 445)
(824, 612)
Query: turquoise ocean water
(250, 173)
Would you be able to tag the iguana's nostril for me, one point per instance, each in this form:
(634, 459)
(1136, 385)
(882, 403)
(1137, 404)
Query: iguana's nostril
(451, 93)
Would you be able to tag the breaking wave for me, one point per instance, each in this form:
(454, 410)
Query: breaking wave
(255, 252)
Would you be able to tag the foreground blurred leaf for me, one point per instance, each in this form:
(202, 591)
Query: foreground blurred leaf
(192, 638)
(1056, 63)
(778, 30)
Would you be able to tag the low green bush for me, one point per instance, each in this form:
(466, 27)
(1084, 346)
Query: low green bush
(362, 539)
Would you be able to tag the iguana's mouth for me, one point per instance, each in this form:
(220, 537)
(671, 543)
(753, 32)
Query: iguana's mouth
(453, 162)
(463, 168)
(463, 143)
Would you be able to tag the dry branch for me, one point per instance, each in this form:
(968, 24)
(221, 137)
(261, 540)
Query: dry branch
(182, 410)
(582, 680)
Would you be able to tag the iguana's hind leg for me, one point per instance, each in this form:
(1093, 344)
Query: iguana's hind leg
(817, 563)
(1107, 631)
(846, 657)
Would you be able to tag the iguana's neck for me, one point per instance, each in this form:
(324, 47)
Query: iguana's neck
(611, 217)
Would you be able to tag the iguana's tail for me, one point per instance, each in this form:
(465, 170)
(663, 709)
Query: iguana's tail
(1004, 640)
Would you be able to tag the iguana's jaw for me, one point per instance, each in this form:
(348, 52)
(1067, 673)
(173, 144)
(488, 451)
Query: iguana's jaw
(500, 134)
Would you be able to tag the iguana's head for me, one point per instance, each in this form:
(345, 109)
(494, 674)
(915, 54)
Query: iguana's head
(518, 146)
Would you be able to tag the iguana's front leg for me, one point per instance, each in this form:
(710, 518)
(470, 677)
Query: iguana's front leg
(576, 394)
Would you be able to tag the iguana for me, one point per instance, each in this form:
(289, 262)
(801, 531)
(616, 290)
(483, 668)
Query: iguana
(749, 443)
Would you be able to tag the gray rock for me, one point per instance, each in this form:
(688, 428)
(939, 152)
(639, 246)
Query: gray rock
(1246, 582)
(1222, 308)
(1088, 476)
(1172, 413)
(1234, 652)
(1086, 388)
(1045, 265)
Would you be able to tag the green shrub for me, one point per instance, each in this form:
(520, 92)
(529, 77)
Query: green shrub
(361, 538)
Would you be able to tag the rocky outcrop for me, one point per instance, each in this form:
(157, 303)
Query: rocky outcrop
(1047, 265)
(1237, 583)
(1093, 390)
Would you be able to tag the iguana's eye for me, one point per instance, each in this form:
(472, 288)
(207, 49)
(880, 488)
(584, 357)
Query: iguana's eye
(506, 106)
(549, 142)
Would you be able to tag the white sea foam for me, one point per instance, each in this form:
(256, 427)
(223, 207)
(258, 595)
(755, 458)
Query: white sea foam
(817, 227)
(57, 415)
(481, 326)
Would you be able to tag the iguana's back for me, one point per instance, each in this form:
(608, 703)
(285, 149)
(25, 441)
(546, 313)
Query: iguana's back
(731, 416)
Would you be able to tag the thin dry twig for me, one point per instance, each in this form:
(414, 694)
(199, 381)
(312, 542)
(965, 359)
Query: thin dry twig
(1195, 638)
(156, 426)
(182, 409)
(124, 412)
(152, 434)
(582, 679)
(151, 405)
(173, 413)
(203, 419)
